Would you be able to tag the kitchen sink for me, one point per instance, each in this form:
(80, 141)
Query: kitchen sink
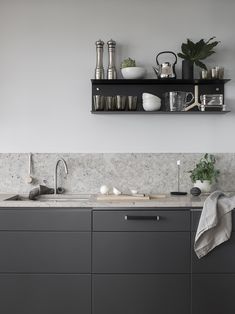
(53, 198)
(63, 198)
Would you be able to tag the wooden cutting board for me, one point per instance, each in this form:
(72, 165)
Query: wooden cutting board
(123, 197)
(157, 196)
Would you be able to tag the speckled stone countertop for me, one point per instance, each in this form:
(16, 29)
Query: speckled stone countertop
(169, 201)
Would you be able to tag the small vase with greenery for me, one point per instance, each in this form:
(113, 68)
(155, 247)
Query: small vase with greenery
(193, 53)
(130, 70)
(205, 174)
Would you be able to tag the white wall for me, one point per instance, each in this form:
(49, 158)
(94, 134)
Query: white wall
(47, 58)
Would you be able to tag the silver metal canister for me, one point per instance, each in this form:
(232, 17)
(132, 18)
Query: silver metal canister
(212, 100)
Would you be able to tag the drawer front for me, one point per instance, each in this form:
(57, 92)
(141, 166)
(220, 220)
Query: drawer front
(138, 294)
(195, 217)
(219, 260)
(45, 219)
(213, 294)
(141, 252)
(141, 220)
(47, 294)
(45, 252)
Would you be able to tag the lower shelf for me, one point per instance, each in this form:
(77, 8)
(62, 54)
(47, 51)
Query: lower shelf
(161, 112)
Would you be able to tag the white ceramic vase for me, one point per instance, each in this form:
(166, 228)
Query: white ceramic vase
(204, 186)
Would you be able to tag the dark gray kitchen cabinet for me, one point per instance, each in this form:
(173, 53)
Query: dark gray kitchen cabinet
(195, 216)
(61, 260)
(45, 264)
(145, 220)
(45, 219)
(213, 293)
(141, 252)
(138, 294)
(213, 276)
(45, 294)
(45, 252)
(220, 260)
(141, 259)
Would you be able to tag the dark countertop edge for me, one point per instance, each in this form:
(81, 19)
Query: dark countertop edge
(131, 208)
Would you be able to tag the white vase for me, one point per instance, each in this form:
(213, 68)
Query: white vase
(204, 186)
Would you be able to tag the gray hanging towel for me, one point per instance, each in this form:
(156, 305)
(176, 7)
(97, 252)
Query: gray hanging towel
(215, 225)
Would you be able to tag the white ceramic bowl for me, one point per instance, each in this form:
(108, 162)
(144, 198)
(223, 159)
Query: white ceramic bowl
(150, 105)
(133, 72)
(152, 101)
(148, 96)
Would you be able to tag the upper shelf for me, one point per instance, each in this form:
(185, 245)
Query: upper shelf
(160, 82)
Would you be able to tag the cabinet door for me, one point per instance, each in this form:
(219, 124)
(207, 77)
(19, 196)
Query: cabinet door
(138, 294)
(45, 219)
(195, 216)
(142, 220)
(213, 294)
(141, 252)
(45, 294)
(45, 252)
(220, 260)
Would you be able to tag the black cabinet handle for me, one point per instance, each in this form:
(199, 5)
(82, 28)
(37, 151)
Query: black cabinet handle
(133, 217)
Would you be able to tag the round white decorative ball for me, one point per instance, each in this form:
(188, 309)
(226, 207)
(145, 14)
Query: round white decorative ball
(104, 189)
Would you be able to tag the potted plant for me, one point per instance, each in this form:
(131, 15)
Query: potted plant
(130, 70)
(204, 173)
(192, 53)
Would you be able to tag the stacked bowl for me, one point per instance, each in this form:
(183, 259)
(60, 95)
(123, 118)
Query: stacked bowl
(151, 102)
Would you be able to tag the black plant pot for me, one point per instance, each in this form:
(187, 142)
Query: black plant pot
(187, 70)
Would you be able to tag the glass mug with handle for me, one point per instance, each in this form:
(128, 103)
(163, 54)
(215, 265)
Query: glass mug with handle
(177, 100)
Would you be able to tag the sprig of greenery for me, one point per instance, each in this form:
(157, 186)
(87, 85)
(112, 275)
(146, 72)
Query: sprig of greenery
(128, 63)
(205, 170)
(195, 52)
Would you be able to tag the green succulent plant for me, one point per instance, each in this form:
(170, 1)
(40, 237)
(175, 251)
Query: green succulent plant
(126, 63)
(205, 170)
(195, 52)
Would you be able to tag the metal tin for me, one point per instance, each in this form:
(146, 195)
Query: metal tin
(212, 100)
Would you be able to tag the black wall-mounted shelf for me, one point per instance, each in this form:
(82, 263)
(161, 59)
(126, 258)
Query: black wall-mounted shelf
(161, 112)
(159, 82)
(157, 87)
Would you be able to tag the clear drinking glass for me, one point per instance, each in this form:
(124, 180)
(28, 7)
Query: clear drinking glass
(98, 102)
(109, 103)
(217, 72)
(132, 103)
(120, 102)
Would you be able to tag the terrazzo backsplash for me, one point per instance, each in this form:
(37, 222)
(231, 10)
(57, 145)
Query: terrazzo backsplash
(147, 173)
